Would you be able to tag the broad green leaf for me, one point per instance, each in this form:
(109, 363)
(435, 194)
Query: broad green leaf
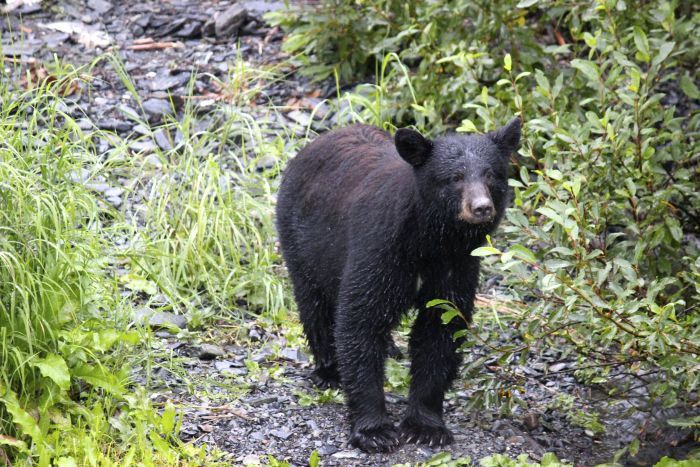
(54, 367)
(485, 251)
(689, 88)
(642, 43)
(588, 68)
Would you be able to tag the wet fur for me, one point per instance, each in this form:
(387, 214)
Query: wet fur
(359, 225)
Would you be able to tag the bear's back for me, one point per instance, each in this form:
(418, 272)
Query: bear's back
(344, 180)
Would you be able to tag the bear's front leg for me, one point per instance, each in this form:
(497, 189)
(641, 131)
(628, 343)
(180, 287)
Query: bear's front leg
(434, 364)
(369, 306)
(361, 350)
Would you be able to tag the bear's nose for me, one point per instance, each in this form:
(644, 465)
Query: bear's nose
(482, 208)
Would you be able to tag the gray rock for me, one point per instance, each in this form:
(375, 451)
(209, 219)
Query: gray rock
(100, 6)
(223, 364)
(230, 21)
(302, 118)
(265, 162)
(112, 124)
(154, 161)
(114, 191)
(157, 108)
(160, 319)
(163, 140)
(558, 367)
(327, 450)
(166, 83)
(115, 201)
(282, 433)
(210, 352)
(354, 454)
(128, 112)
(143, 146)
(98, 187)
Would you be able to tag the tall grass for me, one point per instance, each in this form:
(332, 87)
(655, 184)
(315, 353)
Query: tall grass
(194, 235)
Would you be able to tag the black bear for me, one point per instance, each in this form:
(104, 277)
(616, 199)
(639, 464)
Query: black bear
(372, 226)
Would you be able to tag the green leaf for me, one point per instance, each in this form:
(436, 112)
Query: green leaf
(314, 459)
(138, 284)
(485, 251)
(526, 3)
(26, 422)
(588, 68)
(54, 368)
(467, 126)
(449, 315)
(642, 43)
(689, 87)
(523, 253)
(507, 64)
(664, 51)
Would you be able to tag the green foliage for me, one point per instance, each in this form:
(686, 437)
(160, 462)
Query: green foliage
(600, 250)
(499, 460)
(319, 397)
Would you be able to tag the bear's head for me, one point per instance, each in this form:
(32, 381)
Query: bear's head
(462, 177)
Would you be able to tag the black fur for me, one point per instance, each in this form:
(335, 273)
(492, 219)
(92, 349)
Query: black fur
(366, 236)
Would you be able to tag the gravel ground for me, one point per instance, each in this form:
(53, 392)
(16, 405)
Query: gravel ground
(253, 398)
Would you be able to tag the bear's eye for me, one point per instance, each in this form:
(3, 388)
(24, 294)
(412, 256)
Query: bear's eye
(458, 177)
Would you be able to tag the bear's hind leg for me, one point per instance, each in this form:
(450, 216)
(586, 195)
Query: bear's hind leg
(317, 317)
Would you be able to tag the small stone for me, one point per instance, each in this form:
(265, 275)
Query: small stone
(254, 335)
(266, 162)
(282, 433)
(257, 401)
(100, 6)
(163, 139)
(223, 365)
(112, 124)
(302, 118)
(230, 21)
(234, 372)
(143, 146)
(327, 450)
(153, 160)
(160, 319)
(589, 433)
(85, 124)
(257, 436)
(114, 191)
(157, 108)
(518, 440)
(98, 187)
(210, 352)
(251, 460)
(354, 454)
(165, 83)
(115, 201)
(292, 354)
(558, 367)
(128, 112)
(531, 420)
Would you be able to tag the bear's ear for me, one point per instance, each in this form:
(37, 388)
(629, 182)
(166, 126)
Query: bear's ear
(507, 137)
(412, 146)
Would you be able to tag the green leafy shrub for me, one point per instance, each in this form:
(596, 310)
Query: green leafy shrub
(600, 250)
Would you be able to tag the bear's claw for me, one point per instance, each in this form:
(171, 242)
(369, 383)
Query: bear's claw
(384, 438)
(325, 379)
(413, 432)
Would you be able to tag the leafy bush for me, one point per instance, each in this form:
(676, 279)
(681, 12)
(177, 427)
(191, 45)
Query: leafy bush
(601, 247)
